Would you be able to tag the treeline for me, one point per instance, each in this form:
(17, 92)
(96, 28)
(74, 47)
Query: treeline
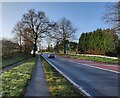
(35, 26)
(10, 47)
(99, 42)
(71, 47)
(103, 42)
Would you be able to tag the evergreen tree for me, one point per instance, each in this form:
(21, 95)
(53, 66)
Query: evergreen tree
(99, 42)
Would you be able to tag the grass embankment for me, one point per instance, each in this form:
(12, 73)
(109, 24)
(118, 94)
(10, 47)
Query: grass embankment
(13, 58)
(58, 85)
(92, 58)
(15, 80)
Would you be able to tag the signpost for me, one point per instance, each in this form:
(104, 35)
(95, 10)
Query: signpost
(67, 46)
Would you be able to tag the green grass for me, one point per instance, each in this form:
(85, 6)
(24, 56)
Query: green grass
(13, 58)
(58, 85)
(93, 58)
(15, 80)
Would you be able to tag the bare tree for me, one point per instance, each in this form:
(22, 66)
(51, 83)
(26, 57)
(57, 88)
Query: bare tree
(8, 47)
(34, 27)
(63, 31)
(112, 16)
(18, 30)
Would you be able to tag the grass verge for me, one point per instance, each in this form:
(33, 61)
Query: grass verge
(93, 58)
(58, 85)
(13, 58)
(15, 80)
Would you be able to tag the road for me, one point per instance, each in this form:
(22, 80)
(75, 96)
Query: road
(93, 81)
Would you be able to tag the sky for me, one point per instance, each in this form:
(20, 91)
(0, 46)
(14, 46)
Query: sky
(59, 0)
(0, 21)
(86, 16)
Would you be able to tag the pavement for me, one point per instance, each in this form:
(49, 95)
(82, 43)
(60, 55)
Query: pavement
(91, 80)
(37, 85)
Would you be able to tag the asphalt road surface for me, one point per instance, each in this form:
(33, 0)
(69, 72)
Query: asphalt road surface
(95, 82)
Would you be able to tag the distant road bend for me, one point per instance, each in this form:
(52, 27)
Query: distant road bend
(92, 81)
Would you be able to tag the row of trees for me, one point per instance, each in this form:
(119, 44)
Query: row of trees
(103, 42)
(99, 42)
(34, 26)
(10, 46)
(70, 47)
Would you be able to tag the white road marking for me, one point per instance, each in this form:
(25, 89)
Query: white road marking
(76, 85)
(93, 66)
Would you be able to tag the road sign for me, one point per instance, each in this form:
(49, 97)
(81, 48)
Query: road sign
(68, 46)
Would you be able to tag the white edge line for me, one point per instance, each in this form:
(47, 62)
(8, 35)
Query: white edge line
(93, 66)
(77, 86)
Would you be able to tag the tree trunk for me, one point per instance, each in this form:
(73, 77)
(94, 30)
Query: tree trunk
(34, 50)
(64, 48)
(20, 43)
(64, 41)
(57, 49)
(25, 49)
(20, 47)
(35, 46)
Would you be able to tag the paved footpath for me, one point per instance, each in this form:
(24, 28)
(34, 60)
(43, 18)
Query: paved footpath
(38, 85)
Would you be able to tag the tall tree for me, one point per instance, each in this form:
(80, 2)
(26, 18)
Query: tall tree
(63, 31)
(8, 46)
(112, 16)
(34, 27)
(18, 34)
